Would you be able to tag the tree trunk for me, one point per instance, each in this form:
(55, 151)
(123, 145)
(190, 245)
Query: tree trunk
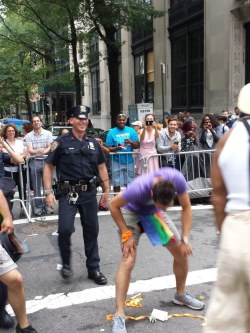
(28, 104)
(113, 69)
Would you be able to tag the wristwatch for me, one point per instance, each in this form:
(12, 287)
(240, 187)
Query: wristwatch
(47, 192)
(185, 240)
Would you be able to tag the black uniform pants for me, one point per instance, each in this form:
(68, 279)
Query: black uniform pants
(87, 207)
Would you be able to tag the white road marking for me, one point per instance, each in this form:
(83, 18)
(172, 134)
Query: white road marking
(60, 300)
(55, 217)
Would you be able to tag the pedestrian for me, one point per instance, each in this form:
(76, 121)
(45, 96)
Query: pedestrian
(79, 162)
(207, 134)
(38, 145)
(148, 138)
(142, 208)
(122, 139)
(229, 307)
(169, 142)
(10, 134)
(12, 280)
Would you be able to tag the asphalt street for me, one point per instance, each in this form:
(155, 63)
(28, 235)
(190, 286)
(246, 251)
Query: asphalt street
(82, 306)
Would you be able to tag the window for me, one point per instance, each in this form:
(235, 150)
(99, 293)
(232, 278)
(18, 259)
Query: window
(95, 85)
(144, 78)
(187, 68)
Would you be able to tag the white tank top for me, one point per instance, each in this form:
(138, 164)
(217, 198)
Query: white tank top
(234, 165)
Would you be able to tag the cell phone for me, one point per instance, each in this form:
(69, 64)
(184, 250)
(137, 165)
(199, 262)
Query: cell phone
(149, 122)
(176, 142)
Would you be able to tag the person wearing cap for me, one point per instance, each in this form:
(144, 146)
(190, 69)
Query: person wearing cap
(11, 279)
(229, 307)
(122, 139)
(38, 145)
(80, 166)
(137, 126)
(148, 138)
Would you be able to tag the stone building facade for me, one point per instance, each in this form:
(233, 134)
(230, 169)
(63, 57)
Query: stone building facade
(195, 58)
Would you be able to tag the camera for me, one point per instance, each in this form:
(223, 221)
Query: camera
(149, 122)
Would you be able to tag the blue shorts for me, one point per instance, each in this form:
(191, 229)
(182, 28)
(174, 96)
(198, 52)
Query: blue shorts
(6, 263)
(122, 174)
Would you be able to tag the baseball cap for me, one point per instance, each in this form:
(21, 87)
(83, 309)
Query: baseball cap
(137, 123)
(244, 99)
(80, 112)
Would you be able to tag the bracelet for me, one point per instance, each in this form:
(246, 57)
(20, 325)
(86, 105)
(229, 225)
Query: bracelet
(126, 235)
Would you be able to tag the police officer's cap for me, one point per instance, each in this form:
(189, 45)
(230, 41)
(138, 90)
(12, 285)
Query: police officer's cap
(80, 112)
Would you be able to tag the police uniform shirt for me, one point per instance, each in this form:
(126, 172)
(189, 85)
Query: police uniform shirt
(75, 159)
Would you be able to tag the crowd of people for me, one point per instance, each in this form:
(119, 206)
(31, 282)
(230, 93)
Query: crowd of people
(140, 208)
(148, 138)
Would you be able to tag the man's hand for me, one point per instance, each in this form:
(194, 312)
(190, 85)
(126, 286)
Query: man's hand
(185, 249)
(50, 200)
(128, 248)
(7, 225)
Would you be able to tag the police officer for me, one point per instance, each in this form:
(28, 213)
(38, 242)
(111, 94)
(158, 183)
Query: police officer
(79, 162)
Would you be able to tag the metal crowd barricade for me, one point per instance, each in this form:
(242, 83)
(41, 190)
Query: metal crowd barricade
(195, 167)
(22, 168)
(121, 170)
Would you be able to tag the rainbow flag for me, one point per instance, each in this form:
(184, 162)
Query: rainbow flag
(156, 229)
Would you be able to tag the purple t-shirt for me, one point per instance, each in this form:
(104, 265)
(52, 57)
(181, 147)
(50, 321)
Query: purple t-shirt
(138, 193)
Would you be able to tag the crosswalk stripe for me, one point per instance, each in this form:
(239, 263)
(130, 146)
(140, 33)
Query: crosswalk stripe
(56, 301)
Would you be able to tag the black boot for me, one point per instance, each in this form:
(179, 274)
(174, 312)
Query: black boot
(6, 321)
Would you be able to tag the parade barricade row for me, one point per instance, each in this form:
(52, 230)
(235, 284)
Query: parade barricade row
(122, 168)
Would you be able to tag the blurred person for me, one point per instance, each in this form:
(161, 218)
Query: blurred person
(10, 134)
(63, 131)
(137, 126)
(11, 282)
(123, 139)
(38, 144)
(207, 134)
(148, 138)
(169, 141)
(222, 127)
(189, 139)
(80, 164)
(142, 208)
(236, 113)
(230, 120)
(229, 306)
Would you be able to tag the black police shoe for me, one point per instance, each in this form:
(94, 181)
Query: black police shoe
(6, 321)
(66, 272)
(97, 277)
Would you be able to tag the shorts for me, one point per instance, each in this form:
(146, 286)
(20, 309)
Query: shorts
(6, 263)
(229, 307)
(122, 174)
(133, 222)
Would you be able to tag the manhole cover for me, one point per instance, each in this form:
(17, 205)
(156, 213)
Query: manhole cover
(40, 228)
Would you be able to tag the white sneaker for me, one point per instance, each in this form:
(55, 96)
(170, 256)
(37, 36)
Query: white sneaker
(119, 324)
(188, 301)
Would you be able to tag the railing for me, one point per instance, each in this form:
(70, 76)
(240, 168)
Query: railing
(122, 168)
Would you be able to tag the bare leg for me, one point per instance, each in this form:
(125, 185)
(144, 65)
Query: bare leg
(180, 267)
(16, 295)
(122, 281)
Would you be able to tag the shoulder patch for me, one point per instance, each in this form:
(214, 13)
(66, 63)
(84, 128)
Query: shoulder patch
(54, 145)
